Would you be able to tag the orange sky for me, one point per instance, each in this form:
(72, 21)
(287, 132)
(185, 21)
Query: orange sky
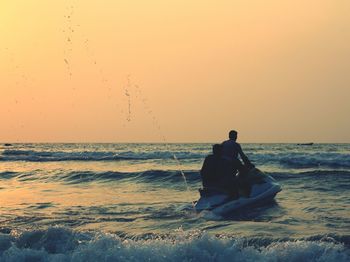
(188, 71)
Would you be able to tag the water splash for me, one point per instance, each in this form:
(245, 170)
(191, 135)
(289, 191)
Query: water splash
(127, 94)
(59, 244)
(68, 31)
(156, 124)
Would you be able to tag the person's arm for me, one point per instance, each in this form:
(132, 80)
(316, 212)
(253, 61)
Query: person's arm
(205, 168)
(245, 159)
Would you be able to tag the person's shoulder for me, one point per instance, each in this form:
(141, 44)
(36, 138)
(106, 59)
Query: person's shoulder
(228, 142)
(236, 145)
(208, 157)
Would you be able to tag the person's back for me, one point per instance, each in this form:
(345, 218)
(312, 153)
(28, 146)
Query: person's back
(231, 150)
(217, 172)
(210, 168)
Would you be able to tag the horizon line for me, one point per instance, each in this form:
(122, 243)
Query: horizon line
(161, 142)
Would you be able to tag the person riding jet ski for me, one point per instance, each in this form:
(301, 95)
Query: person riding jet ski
(231, 150)
(218, 173)
(226, 190)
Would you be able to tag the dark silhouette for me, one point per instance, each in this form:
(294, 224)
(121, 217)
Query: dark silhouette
(219, 170)
(210, 167)
(217, 173)
(305, 144)
(231, 150)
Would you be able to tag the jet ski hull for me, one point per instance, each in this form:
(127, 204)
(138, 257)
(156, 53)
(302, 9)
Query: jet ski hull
(221, 203)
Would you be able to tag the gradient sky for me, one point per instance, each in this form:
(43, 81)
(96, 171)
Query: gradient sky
(174, 71)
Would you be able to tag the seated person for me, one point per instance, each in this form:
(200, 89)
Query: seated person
(217, 173)
(231, 150)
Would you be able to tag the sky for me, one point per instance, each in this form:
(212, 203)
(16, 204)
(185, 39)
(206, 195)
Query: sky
(174, 71)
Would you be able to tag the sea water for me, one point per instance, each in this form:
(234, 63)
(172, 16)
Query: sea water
(129, 202)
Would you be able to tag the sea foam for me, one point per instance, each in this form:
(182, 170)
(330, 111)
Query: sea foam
(59, 244)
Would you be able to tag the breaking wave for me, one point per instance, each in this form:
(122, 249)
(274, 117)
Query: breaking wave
(60, 244)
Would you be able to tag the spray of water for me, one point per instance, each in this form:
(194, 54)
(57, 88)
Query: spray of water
(161, 134)
(181, 171)
(69, 31)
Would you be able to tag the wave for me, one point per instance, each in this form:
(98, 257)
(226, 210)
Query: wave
(77, 177)
(332, 160)
(173, 178)
(296, 160)
(320, 174)
(304, 160)
(46, 156)
(323, 181)
(8, 174)
(160, 177)
(60, 244)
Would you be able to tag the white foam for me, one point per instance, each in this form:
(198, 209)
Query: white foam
(57, 244)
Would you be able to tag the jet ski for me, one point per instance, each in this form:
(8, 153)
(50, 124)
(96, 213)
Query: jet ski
(264, 189)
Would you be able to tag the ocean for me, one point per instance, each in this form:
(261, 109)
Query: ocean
(131, 202)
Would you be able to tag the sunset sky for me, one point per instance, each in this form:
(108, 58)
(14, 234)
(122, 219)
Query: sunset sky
(174, 71)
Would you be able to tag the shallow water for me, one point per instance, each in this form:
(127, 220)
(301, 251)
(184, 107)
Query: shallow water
(64, 201)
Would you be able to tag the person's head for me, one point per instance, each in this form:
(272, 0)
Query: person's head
(233, 135)
(217, 150)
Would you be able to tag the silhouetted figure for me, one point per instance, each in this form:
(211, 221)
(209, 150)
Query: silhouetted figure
(210, 167)
(217, 173)
(231, 151)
